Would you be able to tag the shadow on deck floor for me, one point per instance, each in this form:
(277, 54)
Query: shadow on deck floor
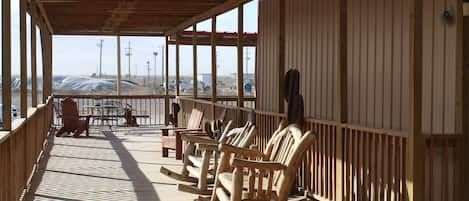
(109, 165)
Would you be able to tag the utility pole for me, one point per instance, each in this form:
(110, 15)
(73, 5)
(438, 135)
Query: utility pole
(100, 46)
(154, 79)
(247, 58)
(129, 54)
(148, 70)
(162, 65)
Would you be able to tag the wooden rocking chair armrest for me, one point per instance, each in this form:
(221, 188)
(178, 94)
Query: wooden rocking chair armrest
(177, 128)
(194, 133)
(260, 165)
(252, 153)
(197, 139)
(207, 146)
(187, 130)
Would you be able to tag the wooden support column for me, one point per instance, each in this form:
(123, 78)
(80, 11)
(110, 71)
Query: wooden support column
(240, 71)
(464, 146)
(166, 80)
(23, 62)
(33, 60)
(194, 51)
(47, 65)
(341, 104)
(6, 64)
(281, 58)
(177, 65)
(213, 39)
(119, 72)
(415, 164)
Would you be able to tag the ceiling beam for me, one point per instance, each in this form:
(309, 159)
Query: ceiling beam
(228, 5)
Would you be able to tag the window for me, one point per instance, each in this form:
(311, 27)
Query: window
(15, 59)
(39, 66)
(85, 65)
(142, 63)
(227, 56)
(186, 69)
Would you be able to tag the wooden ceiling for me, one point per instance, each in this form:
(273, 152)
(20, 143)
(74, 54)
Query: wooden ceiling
(125, 17)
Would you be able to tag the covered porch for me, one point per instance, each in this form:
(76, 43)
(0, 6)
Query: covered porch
(384, 84)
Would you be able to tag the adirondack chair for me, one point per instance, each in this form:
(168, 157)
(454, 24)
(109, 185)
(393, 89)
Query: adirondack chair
(201, 157)
(175, 142)
(271, 174)
(71, 120)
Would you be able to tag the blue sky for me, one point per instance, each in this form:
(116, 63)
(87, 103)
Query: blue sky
(79, 55)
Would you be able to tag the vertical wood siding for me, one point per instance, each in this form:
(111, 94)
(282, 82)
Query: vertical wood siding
(267, 62)
(378, 63)
(378, 58)
(439, 69)
(312, 48)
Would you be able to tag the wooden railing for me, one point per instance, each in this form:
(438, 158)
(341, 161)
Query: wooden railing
(373, 161)
(149, 109)
(20, 150)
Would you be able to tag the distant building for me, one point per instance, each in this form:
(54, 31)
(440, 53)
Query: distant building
(248, 77)
(206, 78)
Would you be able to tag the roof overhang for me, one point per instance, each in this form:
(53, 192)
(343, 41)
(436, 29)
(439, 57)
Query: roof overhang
(129, 17)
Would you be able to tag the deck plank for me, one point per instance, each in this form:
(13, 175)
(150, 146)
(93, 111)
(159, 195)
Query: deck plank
(109, 165)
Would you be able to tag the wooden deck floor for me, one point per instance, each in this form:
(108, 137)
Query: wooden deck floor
(122, 164)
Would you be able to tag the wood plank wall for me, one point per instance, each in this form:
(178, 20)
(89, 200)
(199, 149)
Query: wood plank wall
(439, 68)
(312, 35)
(267, 61)
(378, 61)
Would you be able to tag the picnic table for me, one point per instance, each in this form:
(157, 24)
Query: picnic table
(113, 111)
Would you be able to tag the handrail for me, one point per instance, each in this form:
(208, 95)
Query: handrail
(311, 120)
(19, 123)
(112, 96)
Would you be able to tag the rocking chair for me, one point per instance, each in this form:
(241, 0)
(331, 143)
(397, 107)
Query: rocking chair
(175, 142)
(201, 157)
(271, 174)
(71, 120)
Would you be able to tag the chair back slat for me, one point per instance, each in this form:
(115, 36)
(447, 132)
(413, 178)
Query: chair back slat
(287, 147)
(241, 137)
(195, 119)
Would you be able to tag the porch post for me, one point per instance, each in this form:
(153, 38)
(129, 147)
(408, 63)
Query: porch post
(23, 62)
(213, 41)
(33, 59)
(415, 163)
(464, 151)
(46, 43)
(177, 64)
(194, 51)
(342, 101)
(166, 91)
(6, 64)
(281, 57)
(240, 72)
(118, 83)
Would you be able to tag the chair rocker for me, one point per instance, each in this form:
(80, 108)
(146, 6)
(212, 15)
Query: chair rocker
(271, 174)
(175, 142)
(201, 158)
